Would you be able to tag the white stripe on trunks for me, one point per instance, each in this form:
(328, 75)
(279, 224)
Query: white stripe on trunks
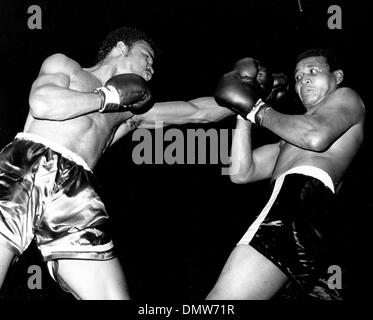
(66, 153)
(315, 172)
(256, 224)
(305, 170)
(47, 250)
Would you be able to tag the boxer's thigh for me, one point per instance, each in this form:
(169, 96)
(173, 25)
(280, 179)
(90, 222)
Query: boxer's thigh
(92, 279)
(248, 275)
(6, 258)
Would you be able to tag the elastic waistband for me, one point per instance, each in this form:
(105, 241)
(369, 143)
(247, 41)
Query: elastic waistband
(66, 153)
(315, 172)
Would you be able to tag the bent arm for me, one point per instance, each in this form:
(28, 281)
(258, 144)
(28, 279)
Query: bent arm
(316, 131)
(201, 110)
(50, 97)
(249, 165)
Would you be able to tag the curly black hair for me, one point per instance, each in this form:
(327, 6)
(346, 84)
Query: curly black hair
(329, 55)
(128, 35)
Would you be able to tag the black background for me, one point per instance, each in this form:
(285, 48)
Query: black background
(174, 226)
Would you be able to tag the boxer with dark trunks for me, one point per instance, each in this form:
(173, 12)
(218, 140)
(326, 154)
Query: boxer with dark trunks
(285, 251)
(47, 188)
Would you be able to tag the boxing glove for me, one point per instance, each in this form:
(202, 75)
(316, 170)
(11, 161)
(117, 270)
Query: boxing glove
(280, 87)
(239, 96)
(253, 70)
(125, 92)
(247, 69)
(265, 80)
(239, 91)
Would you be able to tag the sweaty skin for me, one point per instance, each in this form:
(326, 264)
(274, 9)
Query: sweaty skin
(64, 108)
(335, 160)
(88, 135)
(316, 89)
(326, 136)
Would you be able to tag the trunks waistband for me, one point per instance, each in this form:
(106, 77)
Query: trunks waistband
(312, 171)
(68, 250)
(66, 153)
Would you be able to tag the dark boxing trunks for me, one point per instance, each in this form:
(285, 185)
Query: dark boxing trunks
(296, 229)
(49, 192)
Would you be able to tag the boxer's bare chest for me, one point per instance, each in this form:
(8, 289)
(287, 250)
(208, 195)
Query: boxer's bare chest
(87, 135)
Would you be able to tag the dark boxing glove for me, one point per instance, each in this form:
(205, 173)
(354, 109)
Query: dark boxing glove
(280, 87)
(125, 92)
(247, 69)
(265, 79)
(239, 91)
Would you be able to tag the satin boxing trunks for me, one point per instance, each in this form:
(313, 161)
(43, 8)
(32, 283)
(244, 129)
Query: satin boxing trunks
(49, 192)
(296, 230)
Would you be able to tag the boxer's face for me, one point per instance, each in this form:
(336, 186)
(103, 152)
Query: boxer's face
(313, 80)
(139, 60)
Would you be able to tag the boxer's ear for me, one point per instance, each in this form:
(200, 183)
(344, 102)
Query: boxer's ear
(339, 75)
(121, 48)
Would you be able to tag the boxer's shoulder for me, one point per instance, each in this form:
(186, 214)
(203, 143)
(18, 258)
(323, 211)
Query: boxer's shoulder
(343, 93)
(59, 62)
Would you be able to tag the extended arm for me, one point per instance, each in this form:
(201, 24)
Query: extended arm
(201, 110)
(50, 96)
(319, 129)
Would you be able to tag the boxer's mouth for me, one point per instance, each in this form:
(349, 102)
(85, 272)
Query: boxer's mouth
(148, 73)
(307, 91)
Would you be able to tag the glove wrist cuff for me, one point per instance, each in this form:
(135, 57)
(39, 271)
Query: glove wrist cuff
(102, 99)
(256, 115)
(109, 98)
(252, 115)
(239, 117)
(261, 114)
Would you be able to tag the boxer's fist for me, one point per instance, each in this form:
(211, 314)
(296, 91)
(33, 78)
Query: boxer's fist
(247, 69)
(280, 87)
(253, 70)
(265, 80)
(240, 91)
(125, 92)
(237, 94)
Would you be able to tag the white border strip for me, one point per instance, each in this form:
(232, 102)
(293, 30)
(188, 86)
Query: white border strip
(248, 236)
(66, 153)
(48, 250)
(315, 172)
(305, 170)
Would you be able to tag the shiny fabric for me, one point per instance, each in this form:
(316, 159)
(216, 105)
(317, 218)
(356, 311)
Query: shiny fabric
(297, 231)
(47, 196)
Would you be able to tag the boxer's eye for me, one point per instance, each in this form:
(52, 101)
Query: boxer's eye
(314, 71)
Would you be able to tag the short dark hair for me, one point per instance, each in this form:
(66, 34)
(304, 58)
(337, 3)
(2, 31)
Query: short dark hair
(329, 55)
(128, 35)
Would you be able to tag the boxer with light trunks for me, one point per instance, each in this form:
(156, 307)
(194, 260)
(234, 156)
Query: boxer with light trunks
(285, 251)
(47, 188)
